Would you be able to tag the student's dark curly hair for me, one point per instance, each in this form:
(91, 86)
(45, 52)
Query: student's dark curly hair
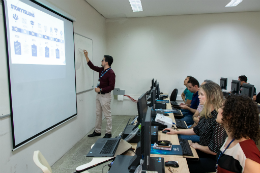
(240, 116)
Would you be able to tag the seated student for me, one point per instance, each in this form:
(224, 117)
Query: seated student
(196, 116)
(243, 80)
(189, 110)
(186, 95)
(212, 134)
(239, 117)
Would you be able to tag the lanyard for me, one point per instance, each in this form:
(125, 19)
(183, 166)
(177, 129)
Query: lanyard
(103, 73)
(221, 153)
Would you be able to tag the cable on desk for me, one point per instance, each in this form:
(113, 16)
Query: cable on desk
(131, 98)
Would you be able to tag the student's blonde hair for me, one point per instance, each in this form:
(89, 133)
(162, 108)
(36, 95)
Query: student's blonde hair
(214, 97)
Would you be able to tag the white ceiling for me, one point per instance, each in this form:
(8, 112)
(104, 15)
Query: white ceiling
(122, 8)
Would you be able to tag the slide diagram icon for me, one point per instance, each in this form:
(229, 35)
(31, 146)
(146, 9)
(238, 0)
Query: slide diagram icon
(34, 50)
(17, 48)
(15, 16)
(57, 53)
(47, 52)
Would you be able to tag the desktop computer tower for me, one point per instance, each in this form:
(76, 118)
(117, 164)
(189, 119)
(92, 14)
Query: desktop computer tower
(160, 106)
(154, 134)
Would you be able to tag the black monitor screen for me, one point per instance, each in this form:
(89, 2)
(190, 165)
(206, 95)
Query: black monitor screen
(146, 139)
(247, 90)
(157, 91)
(141, 107)
(153, 98)
(223, 83)
(155, 83)
(235, 86)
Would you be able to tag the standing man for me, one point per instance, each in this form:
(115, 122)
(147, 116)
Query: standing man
(105, 84)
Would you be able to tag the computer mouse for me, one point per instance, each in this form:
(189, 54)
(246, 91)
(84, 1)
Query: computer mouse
(165, 114)
(165, 131)
(172, 163)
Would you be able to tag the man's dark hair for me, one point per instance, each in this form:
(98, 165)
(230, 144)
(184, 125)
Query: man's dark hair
(108, 59)
(189, 76)
(243, 78)
(194, 81)
(240, 115)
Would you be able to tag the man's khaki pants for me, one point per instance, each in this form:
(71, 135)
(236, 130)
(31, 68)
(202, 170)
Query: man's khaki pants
(103, 102)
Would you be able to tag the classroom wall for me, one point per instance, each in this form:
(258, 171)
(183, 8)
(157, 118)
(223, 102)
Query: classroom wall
(56, 143)
(206, 46)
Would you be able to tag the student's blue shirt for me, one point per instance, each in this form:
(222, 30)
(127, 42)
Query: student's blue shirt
(188, 94)
(195, 101)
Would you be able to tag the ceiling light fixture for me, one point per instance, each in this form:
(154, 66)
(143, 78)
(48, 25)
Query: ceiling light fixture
(234, 3)
(136, 5)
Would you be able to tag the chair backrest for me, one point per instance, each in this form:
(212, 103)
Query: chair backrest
(41, 162)
(174, 95)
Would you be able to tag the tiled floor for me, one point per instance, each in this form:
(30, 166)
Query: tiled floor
(76, 156)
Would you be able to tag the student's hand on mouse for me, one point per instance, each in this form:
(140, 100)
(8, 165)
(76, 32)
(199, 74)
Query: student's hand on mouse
(172, 132)
(194, 145)
(182, 104)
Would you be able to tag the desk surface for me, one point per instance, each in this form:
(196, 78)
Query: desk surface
(169, 106)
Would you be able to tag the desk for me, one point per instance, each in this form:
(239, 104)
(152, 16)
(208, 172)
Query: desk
(169, 106)
(175, 141)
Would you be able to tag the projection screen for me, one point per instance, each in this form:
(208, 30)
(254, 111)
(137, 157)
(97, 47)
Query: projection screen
(40, 52)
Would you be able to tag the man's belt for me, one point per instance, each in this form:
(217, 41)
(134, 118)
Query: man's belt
(101, 93)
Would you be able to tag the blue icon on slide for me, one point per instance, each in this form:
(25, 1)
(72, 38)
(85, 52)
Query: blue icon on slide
(17, 48)
(32, 22)
(57, 53)
(47, 52)
(34, 50)
(15, 16)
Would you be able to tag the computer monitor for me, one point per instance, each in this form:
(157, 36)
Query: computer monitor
(152, 84)
(146, 139)
(153, 98)
(158, 91)
(144, 148)
(155, 83)
(247, 90)
(235, 86)
(223, 83)
(141, 107)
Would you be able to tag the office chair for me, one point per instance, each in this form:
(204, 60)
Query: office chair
(41, 162)
(174, 95)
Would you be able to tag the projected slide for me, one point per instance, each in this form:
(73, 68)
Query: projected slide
(35, 37)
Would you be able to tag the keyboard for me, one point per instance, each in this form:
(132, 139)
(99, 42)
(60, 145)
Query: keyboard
(180, 124)
(174, 103)
(109, 147)
(185, 147)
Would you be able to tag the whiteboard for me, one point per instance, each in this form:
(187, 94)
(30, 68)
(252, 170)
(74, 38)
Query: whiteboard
(84, 75)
